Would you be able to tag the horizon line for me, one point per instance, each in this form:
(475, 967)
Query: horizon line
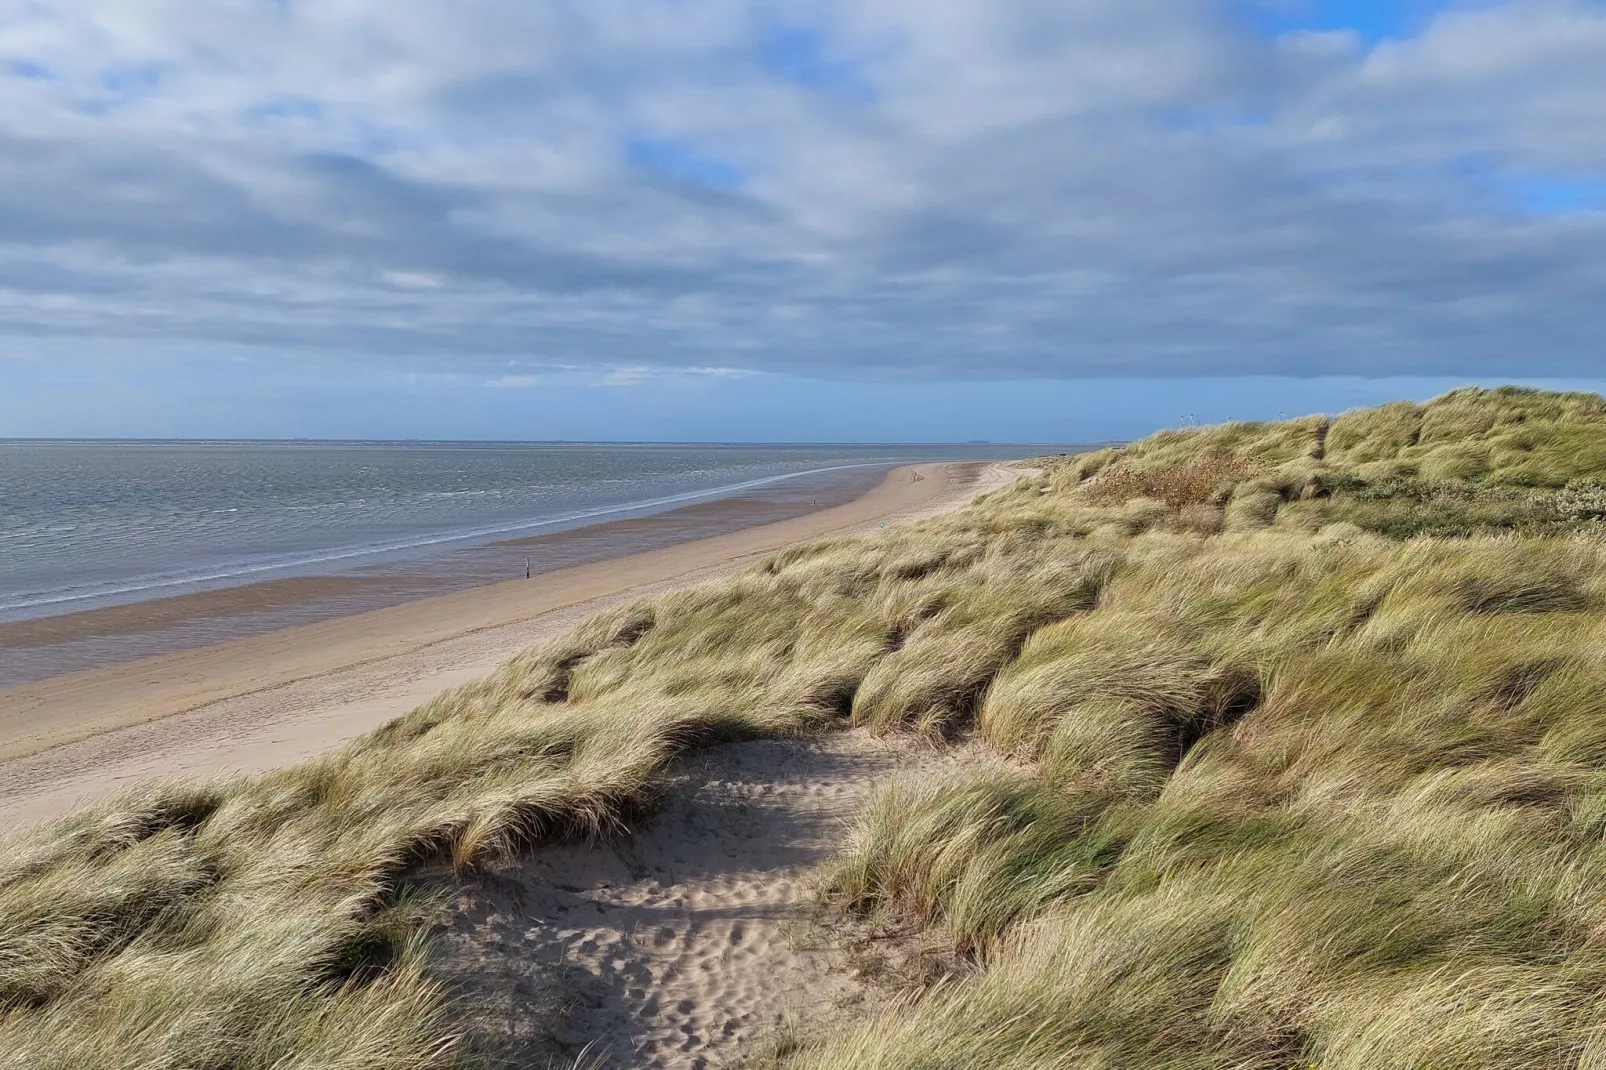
(35, 440)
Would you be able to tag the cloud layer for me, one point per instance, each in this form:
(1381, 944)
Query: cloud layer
(898, 189)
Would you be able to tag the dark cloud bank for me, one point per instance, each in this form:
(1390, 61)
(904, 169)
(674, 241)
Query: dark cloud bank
(902, 189)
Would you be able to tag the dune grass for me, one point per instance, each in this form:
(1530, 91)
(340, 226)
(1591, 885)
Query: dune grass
(1295, 794)
(1302, 738)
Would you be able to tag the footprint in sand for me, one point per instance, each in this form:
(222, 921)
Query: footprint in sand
(680, 973)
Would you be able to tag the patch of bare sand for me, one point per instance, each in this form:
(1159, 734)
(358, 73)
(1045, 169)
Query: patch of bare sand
(687, 944)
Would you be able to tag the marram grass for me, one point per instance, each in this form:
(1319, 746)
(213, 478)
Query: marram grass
(1302, 763)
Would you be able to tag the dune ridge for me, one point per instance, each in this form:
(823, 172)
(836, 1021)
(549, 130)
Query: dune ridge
(1257, 745)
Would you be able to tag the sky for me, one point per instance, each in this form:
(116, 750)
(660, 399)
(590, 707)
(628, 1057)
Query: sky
(1033, 220)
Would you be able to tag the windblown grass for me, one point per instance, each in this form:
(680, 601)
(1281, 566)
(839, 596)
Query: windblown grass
(1299, 795)
(1306, 739)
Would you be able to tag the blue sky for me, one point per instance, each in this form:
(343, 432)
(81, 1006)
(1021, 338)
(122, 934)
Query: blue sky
(1372, 20)
(315, 399)
(932, 219)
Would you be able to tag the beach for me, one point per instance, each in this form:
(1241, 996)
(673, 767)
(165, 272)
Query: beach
(106, 559)
(270, 700)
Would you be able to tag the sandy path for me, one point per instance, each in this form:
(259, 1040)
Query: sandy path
(686, 945)
(275, 699)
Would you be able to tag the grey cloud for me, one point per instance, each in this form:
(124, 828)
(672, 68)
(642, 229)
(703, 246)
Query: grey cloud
(1032, 188)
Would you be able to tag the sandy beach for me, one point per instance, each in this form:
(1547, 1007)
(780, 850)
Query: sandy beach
(270, 700)
(78, 637)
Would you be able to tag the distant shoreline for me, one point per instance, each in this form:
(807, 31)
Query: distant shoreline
(342, 558)
(275, 698)
(1028, 448)
(94, 577)
(157, 621)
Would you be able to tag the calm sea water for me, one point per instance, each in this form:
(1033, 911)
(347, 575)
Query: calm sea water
(89, 524)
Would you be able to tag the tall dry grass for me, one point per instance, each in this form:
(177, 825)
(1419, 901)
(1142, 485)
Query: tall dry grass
(1289, 781)
(1297, 794)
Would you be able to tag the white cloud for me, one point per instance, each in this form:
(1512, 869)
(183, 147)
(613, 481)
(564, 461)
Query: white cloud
(412, 280)
(960, 187)
(516, 382)
(626, 377)
(635, 375)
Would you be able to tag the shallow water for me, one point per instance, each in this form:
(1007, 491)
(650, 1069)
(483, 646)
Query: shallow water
(108, 550)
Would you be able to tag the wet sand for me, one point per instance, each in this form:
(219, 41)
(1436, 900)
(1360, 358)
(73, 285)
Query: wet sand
(45, 647)
(273, 699)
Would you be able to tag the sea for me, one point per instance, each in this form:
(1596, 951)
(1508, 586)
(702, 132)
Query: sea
(109, 549)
